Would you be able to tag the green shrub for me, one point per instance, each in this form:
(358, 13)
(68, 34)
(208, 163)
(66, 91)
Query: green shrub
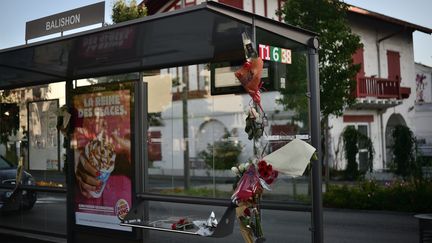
(222, 154)
(351, 150)
(403, 149)
(396, 196)
(353, 141)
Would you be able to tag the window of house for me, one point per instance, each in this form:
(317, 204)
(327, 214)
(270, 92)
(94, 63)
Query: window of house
(363, 153)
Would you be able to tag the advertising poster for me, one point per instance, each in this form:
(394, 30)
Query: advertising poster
(102, 154)
(43, 135)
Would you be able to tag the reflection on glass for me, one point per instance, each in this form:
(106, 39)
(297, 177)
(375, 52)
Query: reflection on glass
(37, 218)
(215, 139)
(28, 131)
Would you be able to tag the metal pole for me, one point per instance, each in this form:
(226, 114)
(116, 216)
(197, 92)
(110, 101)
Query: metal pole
(141, 159)
(141, 167)
(317, 208)
(70, 172)
(186, 163)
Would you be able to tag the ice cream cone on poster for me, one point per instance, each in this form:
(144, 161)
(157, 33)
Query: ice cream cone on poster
(246, 233)
(292, 159)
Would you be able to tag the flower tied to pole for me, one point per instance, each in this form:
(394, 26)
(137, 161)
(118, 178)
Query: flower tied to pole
(253, 180)
(255, 177)
(249, 74)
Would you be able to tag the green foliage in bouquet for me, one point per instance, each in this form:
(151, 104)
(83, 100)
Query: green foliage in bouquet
(222, 154)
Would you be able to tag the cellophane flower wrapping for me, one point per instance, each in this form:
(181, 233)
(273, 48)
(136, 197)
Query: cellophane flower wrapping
(248, 186)
(247, 195)
(249, 76)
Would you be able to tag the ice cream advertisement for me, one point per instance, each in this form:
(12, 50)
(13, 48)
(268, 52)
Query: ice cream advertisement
(102, 155)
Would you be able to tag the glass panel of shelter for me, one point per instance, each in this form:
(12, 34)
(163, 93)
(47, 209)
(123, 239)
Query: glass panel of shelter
(169, 212)
(215, 139)
(29, 132)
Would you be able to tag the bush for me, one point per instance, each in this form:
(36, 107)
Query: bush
(403, 149)
(222, 154)
(353, 140)
(396, 196)
(351, 150)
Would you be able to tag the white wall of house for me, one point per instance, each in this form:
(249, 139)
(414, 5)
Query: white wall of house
(337, 157)
(423, 108)
(228, 110)
(423, 86)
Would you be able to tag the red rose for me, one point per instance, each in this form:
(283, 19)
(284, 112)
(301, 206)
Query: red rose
(275, 174)
(269, 181)
(269, 167)
(247, 212)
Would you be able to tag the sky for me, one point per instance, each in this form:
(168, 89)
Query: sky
(15, 13)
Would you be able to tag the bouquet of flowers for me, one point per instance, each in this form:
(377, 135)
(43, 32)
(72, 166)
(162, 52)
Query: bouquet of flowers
(182, 224)
(253, 178)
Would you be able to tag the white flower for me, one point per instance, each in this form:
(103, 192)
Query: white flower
(243, 167)
(235, 170)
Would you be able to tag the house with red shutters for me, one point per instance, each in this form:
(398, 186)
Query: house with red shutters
(386, 82)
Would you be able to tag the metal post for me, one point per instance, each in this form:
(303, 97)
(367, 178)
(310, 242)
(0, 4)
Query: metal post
(317, 208)
(141, 153)
(186, 163)
(70, 182)
(141, 167)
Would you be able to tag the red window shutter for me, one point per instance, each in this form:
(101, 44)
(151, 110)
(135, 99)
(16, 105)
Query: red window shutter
(393, 62)
(283, 130)
(358, 118)
(234, 3)
(154, 145)
(358, 59)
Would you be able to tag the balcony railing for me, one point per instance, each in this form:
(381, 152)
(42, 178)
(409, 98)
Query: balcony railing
(378, 87)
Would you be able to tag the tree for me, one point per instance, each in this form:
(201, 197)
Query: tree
(353, 141)
(328, 18)
(222, 154)
(122, 11)
(403, 149)
(293, 97)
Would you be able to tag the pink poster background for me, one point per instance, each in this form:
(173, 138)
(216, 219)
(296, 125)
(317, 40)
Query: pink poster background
(107, 113)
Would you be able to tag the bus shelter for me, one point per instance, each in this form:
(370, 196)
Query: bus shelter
(155, 100)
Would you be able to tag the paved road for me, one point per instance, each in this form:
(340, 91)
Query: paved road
(279, 226)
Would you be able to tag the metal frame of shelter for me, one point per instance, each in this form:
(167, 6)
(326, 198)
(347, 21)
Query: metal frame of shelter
(150, 47)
